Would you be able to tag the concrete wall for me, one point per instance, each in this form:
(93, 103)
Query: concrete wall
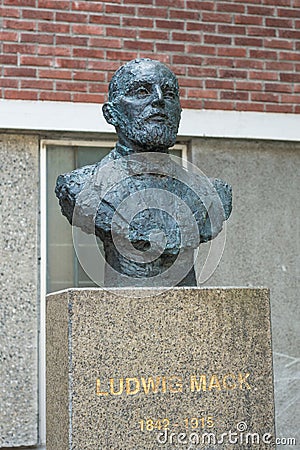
(19, 206)
(262, 247)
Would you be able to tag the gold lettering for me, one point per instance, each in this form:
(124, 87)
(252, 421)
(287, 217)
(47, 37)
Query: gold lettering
(149, 384)
(242, 380)
(229, 381)
(121, 386)
(164, 384)
(128, 386)
(177, 387)
(198, 384)
(174, 384)
(98, 388)
(214, 383)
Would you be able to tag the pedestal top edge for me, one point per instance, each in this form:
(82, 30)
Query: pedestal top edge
(118, 290)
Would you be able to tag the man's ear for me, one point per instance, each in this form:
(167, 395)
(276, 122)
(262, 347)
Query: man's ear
(110, 114)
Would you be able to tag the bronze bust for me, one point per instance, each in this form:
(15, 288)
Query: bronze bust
(150, 212)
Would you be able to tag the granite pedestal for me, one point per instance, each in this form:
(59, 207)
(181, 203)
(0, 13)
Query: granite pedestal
(189, 368)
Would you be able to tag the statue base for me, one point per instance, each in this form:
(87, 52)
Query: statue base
(189, 368)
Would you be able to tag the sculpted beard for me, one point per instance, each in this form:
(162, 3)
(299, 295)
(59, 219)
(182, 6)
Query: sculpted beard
(149, 135)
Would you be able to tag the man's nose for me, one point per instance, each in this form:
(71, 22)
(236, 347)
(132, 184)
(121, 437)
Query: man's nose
(158, 99)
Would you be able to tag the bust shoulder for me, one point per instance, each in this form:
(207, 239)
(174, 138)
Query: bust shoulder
(69, 185)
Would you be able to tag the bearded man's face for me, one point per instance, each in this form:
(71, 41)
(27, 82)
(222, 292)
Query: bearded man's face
(148, 109)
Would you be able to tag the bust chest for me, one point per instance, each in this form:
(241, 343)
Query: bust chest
(150, 210)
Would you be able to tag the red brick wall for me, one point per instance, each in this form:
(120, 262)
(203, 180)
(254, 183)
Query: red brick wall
(233, 55)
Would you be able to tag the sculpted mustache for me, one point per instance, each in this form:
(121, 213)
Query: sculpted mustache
(155, 112)
(142, 119)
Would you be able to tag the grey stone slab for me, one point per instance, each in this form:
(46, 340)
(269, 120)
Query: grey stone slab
(19, 203)
(263, 246)
(208, 352)
(287, 375)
